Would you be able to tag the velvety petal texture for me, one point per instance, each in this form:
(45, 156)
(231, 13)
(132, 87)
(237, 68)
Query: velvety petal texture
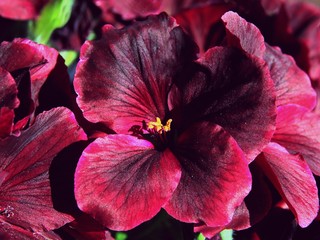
(8, 102)
(292, 85)
(215, 176)
(125, 77)
(293, 178)
(123, 181)
(25, 193)
(242, 101)
(297, 130)
(21, 9)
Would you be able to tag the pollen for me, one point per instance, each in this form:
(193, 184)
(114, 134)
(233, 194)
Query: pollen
(158, 126)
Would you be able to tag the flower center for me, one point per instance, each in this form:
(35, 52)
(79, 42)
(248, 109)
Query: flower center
(155, 132)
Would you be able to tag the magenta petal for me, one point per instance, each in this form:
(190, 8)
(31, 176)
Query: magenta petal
(124, 78)
(294, 180)
(293, 85)
(25, 198)
(213, 170)
(298, 130)
(130, 9)
(123, 181)
(243, 35)
(21, 9)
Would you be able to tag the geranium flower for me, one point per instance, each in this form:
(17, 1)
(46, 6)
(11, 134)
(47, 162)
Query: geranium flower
(21, 9)
(26, 207)
(186, 128)
(26, 67)
(291, 158)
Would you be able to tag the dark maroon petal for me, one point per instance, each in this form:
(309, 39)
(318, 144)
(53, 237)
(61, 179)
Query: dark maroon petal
(293, 85)
(293, 178)
(234, 91)
(123, 181)
(214, 168)
(8, 102)
(24, 170)
(243, 35)
(21, 9)
(298, 130)
(130, 9)
(124, 78)
(303, 24)
(204, 24)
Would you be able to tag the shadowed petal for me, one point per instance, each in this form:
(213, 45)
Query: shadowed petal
(291, 83)
(215, 176)
(234, 91)
(294, 180)
(8, 102)
(123, 181)
(124, 78)
(25, 193)
(298, 130)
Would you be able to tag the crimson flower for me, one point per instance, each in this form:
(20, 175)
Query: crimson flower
(26, 207)
(186, 129)
(292, 156)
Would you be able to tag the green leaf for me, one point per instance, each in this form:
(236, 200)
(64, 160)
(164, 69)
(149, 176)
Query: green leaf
(121, 236)
(201, 237)
(54, 15)
(226, 234)
(69, 56)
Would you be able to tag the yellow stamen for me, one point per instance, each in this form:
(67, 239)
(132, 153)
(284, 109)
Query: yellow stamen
(157, 125)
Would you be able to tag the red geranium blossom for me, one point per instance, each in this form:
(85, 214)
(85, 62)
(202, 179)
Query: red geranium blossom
(26, 207)
(194, 125)
(292, 156)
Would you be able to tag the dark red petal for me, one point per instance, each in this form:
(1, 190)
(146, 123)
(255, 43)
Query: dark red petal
(213, 170)
(24, 170)
(254, 207)
(8, 102)
(293, 85)
(21, 9)
(12, 232)
(243, 35)
(130, 9)
(124, 78)
(203, 24)
(293, 178)
(30, 64)
(234, 91)
(298, 130)
(123, 181)
(303, 24)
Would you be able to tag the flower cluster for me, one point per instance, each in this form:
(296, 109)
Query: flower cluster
(180, 119)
